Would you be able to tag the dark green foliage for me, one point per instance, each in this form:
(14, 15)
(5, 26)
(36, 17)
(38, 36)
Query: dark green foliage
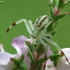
(19, 63)
(40, 49)
(30, 55)
(49, 28)
(52, 12)
(66, 4)
(55, 58)
(61, 3)
(21, 58)
(53, 33)
(16, 62)
(59, 17)
(23, 66)
(31, 46)
(54, 26)
(55, 2)
(39, 61)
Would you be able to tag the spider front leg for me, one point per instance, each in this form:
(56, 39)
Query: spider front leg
(49, 35)
(28, 26)
(31, 25)
(26, 23)
(57, 46)
(52, 42)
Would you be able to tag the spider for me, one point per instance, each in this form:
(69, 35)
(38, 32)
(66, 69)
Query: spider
(38, 31)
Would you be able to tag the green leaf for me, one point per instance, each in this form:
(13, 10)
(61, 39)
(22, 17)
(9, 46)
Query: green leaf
(52, 12)
(40, 49)
(55, 58)
(53, 33)
(22, 58)
(31, 46)
(39, 61)
(23, 66)
(55, 24)
(49, 28)
(55, 2)
(16, 62)
(56, 52)
(30, 55)
(59, 16)
(66, 3)
(61, 3)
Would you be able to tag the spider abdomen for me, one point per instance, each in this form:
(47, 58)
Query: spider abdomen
(41, 22)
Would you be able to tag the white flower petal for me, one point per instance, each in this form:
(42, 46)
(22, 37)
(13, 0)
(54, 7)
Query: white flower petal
(20, 46)
(4, 58)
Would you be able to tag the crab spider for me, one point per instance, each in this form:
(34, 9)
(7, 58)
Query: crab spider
(38, 31)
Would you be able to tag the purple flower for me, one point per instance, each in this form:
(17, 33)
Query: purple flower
(20, 46)
(62, 63)
(5, 62)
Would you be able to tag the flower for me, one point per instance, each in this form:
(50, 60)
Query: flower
(20, 46)
(62, 63)
(49, 63)
(5, 62)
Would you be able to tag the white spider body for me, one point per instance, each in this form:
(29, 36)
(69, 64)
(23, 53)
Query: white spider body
(38, 31)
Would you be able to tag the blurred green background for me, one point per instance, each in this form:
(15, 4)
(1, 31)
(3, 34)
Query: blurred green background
(13, 10)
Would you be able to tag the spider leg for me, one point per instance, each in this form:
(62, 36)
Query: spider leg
(49, 35)
(45, 45)
(31, 25)
(52, 42)
(57, 46)
(18, 22)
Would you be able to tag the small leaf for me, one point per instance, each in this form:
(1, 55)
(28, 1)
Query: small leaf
(49, 28)
(55, 24)
(31, 46)
(66, 3)
(39, 61)
(40, 49)
(30, 55)
(59, 16)
(52, 12)
(22, 58)
(55, 58)
(16, 62)
(55, 2)
(23, 66)
(61, 3)
(53, 33)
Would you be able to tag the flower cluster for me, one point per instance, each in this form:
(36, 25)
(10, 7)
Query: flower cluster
(34, 53)
(19, 44)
